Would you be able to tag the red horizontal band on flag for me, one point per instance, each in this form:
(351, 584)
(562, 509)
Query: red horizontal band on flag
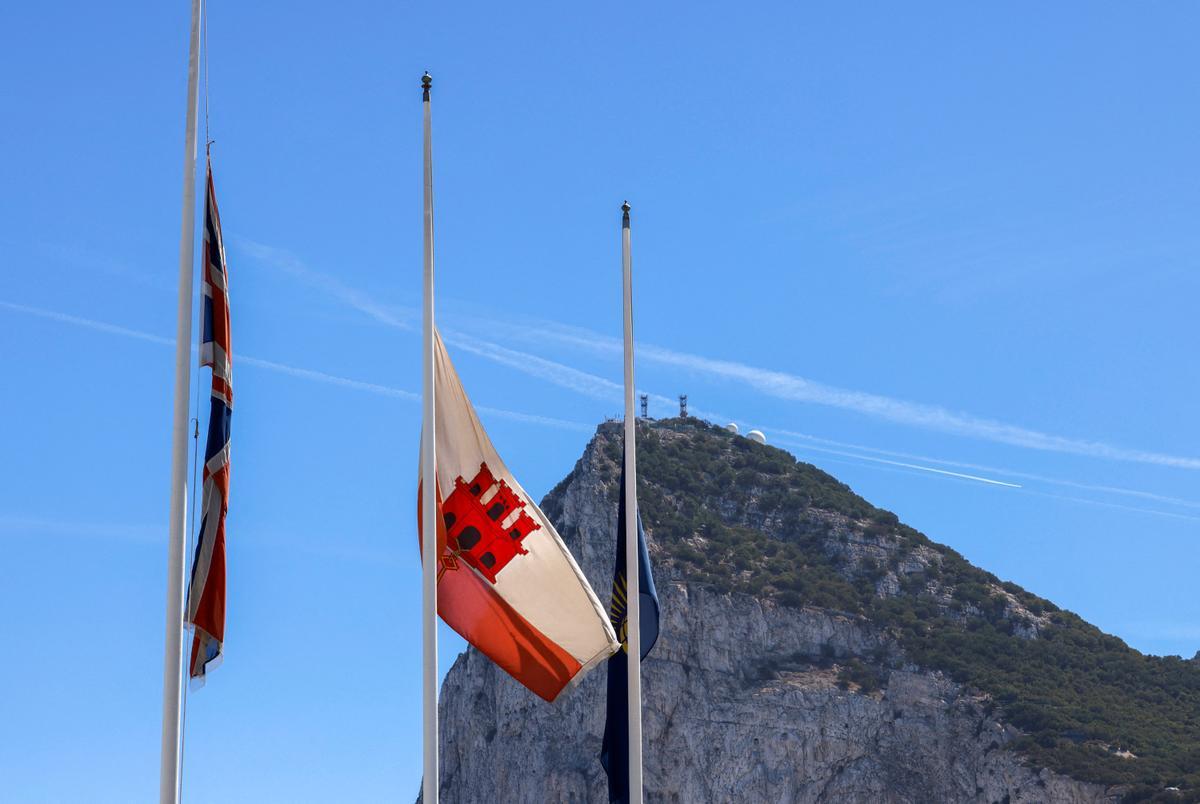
(470, 605)
(210, 613)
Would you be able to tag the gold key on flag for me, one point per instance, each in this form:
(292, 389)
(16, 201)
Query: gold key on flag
(506, 581)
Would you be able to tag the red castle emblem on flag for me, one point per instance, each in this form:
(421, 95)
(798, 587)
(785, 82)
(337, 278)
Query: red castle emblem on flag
(485, 524)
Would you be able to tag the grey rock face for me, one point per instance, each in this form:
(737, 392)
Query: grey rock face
(742, 704)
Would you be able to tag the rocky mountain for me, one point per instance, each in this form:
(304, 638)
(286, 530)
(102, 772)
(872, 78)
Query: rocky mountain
(814, 649)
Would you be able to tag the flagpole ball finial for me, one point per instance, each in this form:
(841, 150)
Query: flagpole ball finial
(426, 80)
(625, 207)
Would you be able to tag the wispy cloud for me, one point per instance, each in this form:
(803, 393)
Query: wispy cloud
(550, 371)
(600, 388)
(783, 385)
(291, 371)
(42, 527)
(285, 261)
(558, 374)
(603, 389)
(778, 384)
(914, 414)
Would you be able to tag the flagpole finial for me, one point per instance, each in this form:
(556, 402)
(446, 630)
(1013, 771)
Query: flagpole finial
(426, 83)
(625, 213)
(625, 207)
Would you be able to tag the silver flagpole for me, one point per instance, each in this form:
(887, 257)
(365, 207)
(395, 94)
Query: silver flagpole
(168, 772)
(632, 576)
(429, 785)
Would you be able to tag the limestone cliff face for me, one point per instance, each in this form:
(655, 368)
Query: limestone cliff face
(743, 698)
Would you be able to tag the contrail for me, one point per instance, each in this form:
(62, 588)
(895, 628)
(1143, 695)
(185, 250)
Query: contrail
(1118, 506)
(291, 371)
(1145, 495)
(596, 386)
(533, 418)
(932, 417)
(855, 460)
(555, 373)
(329, 379)
(773, 383)
(40, 527)
(600, 388)
(548, 370)
(564, 376)
(98, 326)
(791, 387)
(977, 478)
(778, 384)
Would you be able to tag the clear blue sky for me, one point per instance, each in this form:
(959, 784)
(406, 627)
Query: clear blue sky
(970, 229)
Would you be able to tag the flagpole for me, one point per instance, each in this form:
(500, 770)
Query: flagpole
(168, 774)
(633, 654)
(429, 786)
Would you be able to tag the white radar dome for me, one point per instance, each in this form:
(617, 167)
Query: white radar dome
(731, 427)
(757, 435)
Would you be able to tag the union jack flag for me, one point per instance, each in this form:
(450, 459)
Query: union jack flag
(206, 592)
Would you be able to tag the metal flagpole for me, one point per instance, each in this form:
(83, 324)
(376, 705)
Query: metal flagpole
(168, 774)
(429, 787)
(632, 575)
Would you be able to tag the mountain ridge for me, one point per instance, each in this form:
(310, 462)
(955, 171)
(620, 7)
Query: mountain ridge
(1017, 699)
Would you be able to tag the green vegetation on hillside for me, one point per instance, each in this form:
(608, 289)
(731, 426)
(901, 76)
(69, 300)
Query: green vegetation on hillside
(748, 518)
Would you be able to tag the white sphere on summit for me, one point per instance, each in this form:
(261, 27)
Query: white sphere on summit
(731, 427)
(757, 435)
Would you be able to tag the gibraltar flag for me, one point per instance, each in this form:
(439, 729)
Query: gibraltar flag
(506, 582)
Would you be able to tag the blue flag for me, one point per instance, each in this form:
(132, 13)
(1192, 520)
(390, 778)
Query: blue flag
(614, 754)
